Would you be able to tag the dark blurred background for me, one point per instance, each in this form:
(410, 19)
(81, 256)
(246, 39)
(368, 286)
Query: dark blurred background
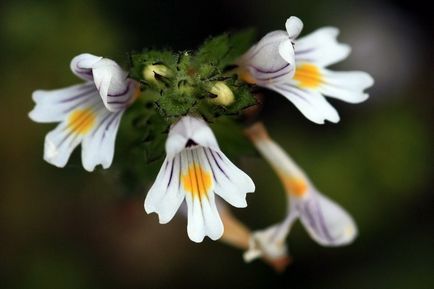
(65, 228)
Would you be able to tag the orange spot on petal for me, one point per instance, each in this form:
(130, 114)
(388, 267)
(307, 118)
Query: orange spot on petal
(197, 181)
(308, 76)
(296, 187)
(81, 121)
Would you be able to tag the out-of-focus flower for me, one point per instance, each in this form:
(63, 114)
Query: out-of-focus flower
(271, 60)
(325, 221)
(311, 82)
(195, 169)
(270, 245)
(238, 235)
(88, 113)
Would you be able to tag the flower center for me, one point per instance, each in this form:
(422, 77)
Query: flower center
(81, 121)
(308, 76)
(197, 181)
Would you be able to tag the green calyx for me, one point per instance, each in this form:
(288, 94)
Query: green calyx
(202, 82)
(174, 84)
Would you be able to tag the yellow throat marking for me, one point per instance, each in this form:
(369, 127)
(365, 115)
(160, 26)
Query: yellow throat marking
(81, 121)
(197, 181)
(308, 76)
(295, 187)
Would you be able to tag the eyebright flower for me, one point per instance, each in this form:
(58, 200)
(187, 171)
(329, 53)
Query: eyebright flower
(270, 245)
(311, 81)
(325, 221)
(87, 113)
(195, 169)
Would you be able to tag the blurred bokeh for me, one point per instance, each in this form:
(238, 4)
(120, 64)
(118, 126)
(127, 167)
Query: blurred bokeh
(65, 228)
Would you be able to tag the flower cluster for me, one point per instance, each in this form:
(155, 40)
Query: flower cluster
(187, 90)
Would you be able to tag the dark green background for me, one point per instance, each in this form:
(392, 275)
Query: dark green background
(71, 229)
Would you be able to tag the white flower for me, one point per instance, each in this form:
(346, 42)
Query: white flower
(87, 113)
(325, 221)
(311, 82)
(195, 169)
(271, 60)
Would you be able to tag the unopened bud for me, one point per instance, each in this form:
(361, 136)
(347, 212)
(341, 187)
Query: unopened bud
(152, 72)
(223, 94)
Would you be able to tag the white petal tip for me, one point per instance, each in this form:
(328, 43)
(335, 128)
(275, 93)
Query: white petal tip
(163, 219)
(32, 116)
(322, 121)
(293, 26)
(53, 161)
(317, 121)
(334, 119)
(240, 204)
(217, 236)
(148, 208)
(364, 97)
(196, 238)
(36, 95)
(369, 80)
(331, 30)
(345, 50)
(251, 255)
(51, 155)
(349, 234)
(89, 168)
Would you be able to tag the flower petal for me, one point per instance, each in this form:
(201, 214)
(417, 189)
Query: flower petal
(203, 218)
(286, 50)
(321, 47)
(325, 221)
(80, 122)
(269, 60)
(348, 86)
(263, 244)
(270, 243)
(311, 104)
(98, 147)
(112, 84)
(198, 184)
(231, 183)
(59, 144)
(166, 195)
(293, 26)
(82, 65)
(265, 54)
(192, 129)
(54, 105)
(118, 102)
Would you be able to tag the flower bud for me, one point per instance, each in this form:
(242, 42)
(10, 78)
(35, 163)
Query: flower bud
(151, 73)
(223, 94)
